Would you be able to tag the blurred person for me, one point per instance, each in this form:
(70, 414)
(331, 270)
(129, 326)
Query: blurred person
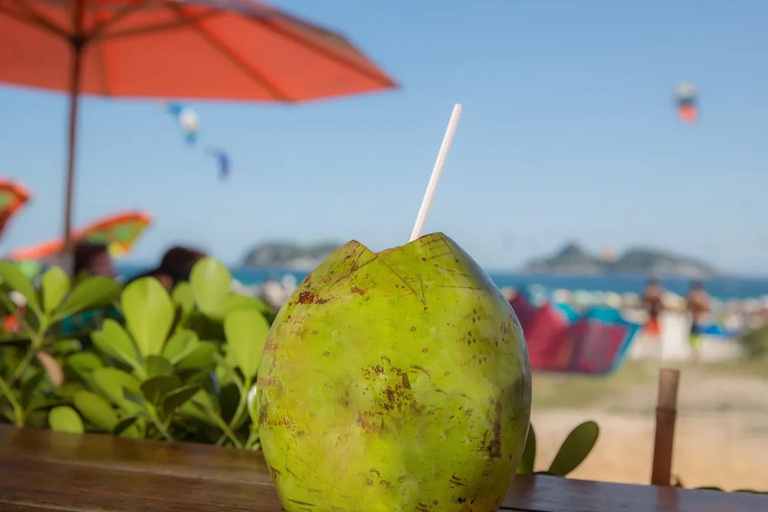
(699, 306)
(653, 303)
(89, 260)
(175, 267)
(93, 259)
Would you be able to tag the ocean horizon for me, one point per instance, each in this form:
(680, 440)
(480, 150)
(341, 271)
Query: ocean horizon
(719, 287)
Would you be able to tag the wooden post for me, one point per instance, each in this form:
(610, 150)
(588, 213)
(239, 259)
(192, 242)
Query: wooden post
(666, 414)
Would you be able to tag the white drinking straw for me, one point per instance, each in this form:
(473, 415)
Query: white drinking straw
(436, 171)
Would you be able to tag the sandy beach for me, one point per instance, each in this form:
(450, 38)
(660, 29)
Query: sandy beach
(722, 428)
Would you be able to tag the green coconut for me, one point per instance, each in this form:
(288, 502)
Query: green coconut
(394, 381)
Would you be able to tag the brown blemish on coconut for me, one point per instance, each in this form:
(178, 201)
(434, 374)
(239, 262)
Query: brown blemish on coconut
(425, 349)
(494, 449)
(310, 298)
(413, 328)
(357, 290)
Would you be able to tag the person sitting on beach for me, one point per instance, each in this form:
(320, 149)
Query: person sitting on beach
(699, 307)
(90, 260)
(654, 305)
(175, 267)
(93, 259)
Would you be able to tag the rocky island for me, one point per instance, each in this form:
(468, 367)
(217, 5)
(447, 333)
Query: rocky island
(289, 255)
(573, 259)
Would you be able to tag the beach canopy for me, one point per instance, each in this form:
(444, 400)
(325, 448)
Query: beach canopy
(12, 197)
(559, 339)
(209, 49)
(118, 232)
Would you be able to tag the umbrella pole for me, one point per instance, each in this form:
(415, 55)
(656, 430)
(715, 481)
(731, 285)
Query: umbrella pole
(74, 100)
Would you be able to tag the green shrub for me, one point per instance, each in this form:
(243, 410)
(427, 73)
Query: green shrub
(576, 447)
(755, 342)
(149, 364)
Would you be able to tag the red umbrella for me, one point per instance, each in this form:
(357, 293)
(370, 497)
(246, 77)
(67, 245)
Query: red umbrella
(12, 197)
(214, 49)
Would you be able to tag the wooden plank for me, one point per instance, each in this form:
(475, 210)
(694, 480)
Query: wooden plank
(666, 415)
(156, 457)
(42, 471)
(67, 487)
(540, 493)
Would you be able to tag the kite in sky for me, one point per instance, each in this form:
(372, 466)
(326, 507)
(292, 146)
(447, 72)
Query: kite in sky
(223, 160)
(187, 118)
(685, 95)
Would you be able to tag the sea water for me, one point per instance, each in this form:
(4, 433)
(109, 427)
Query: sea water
(723, 288)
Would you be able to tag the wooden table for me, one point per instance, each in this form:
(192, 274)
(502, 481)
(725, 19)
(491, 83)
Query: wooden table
(44, 471)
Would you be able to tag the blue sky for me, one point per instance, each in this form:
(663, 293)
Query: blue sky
(568, 132)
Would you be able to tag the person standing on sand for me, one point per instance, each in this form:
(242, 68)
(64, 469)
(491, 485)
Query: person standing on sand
(654, 305)
(699, 307)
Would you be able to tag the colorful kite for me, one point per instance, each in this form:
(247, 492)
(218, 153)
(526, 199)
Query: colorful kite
(118, 232)
(686, 103)
(187, 119)
(12, 197)
(223, 161)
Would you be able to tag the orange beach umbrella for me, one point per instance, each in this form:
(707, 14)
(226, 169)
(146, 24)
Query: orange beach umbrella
(118, 232)
(198, 49)
(12, 197)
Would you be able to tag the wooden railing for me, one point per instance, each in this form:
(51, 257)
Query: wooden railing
(44, 471)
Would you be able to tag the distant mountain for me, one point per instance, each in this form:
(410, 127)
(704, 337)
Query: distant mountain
(574, 259)
(289, 255)
(571, 259)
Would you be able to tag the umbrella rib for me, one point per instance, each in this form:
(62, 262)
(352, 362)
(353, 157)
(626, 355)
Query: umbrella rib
(29, 15)
(122, 13)
(230, 54)
(103, 61)
(156, 28)
(323, 50)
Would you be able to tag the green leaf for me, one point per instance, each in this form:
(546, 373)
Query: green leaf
(111, 382)
(183, 296)
(136, 398)
(114, 341)
(149, 313)
(178, 398)
(246, 332)
(180, 344)
(55, 285)
(575, 448)
(91, 293)
(67, 346)
(236, 302)
(155, 388)
(125, 426)
(211, 284)
(65, 419)
(96, 410)
(84, 363)
(69, 389)
(529, 454)
(158, 365)
(201, 357)
(30, 386)
(196, 407)
(12, 275)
